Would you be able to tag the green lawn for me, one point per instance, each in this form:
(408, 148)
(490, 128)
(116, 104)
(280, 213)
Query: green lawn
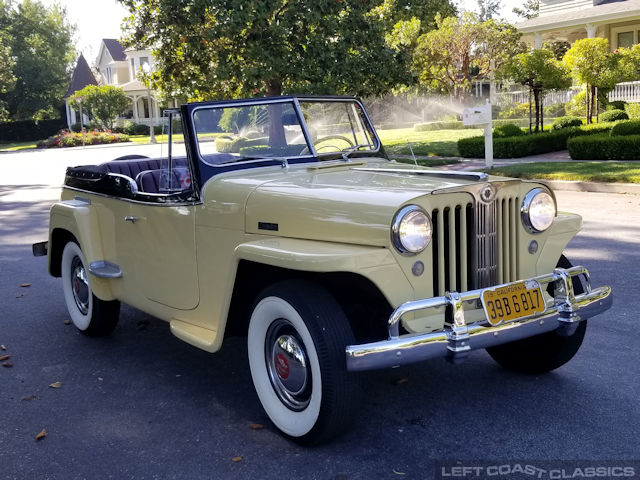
(622, 172)
(13, 146)
(441, 143)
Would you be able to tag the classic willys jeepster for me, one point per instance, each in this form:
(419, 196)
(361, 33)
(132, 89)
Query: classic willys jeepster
(283, 220)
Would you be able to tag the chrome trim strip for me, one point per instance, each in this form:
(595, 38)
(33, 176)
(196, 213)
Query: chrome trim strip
(105, 269)
(130, 200)
(423, 171)
(458, 337)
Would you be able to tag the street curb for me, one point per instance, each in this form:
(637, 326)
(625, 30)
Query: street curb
(597, 187)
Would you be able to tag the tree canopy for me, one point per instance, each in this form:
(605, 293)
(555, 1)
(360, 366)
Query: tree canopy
(460, 48)
(104, 102)
(540, 71)
(592, 64)
(233, 48)
(41, 43)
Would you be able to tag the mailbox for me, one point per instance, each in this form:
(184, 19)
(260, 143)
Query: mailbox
(477, 115)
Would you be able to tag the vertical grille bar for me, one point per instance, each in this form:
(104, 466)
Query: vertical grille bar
(486, 245)
(441, 245)
(500, 208)
(463, 249)
(452, 250)
(512, 237)
(506, 256)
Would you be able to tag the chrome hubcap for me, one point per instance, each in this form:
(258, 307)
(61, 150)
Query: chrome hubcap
(80, 285)
(287, 363)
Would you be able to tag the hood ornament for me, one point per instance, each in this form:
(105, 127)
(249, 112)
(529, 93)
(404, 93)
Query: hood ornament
(488, 193)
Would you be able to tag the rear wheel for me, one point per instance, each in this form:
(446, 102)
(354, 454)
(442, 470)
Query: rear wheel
(90, 315)
(542, 353)
(296, 346)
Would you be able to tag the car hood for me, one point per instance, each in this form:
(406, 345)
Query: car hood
(345, 202)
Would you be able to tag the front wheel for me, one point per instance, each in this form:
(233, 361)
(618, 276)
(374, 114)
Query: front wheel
(296, 347)
(90, 315)
(542, 353)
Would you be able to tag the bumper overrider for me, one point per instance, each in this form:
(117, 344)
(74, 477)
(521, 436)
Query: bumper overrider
(563, 312)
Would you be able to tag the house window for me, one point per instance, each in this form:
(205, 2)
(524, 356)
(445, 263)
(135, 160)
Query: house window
(133, 70)
(108, 75)
(144, 61)
(625, 39)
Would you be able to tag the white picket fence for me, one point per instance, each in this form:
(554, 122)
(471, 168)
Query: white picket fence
(627, 91)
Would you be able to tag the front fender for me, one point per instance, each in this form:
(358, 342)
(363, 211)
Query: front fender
(374, 263)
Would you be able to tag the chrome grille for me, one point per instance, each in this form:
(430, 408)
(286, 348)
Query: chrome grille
(475, 244)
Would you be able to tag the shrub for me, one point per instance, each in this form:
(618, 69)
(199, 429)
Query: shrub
(604, 147)
(24, 130)
(428, 127)
(617, 105)
(613, 116)
(72, 139)
(628, 127)
(520, 110)
(633, 110)
(566, 122)
(555, 110)
(532, 144)
(507, 130)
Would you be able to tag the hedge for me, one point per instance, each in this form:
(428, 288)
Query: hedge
(605, 147)
(71, 139)
(629, 127)
(613, 116)
(507, 130)
(532, 144)
(566, 122)
(26, 130)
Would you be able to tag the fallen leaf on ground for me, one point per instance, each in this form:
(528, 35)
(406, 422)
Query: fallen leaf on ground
(400, 381)
(56, 385)
(142, 324)
(398, 472)
(236, 459)
(5, 357)
(67, 322)
(19, 296)
(41, 435)
(28, 398)
(7, 364)
(2, 347)
(256, 426)
(24, 285)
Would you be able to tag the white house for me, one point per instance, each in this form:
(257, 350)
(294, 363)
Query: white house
(121, 68)
(570, 20)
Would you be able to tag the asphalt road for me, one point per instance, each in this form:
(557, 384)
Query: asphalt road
(141, 404)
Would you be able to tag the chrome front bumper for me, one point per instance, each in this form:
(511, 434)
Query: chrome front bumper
(457, 338)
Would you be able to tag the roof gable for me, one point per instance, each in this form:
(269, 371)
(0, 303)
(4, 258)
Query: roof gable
(82, 76)
(115, 48)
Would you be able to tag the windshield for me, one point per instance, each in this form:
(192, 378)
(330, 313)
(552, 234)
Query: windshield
(338, 126)
(254, 131)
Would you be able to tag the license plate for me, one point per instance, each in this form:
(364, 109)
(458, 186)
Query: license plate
(516, 300)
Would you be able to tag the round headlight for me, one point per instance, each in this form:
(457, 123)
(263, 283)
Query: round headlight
(411, 230)
(538, 210)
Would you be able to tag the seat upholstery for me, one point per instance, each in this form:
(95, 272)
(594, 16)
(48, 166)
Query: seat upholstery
(147, 172)
(157, 180)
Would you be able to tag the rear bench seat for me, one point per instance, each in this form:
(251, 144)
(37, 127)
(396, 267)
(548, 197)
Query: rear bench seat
(148, 172)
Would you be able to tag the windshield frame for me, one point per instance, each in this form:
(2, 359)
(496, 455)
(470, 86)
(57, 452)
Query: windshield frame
(312, 156)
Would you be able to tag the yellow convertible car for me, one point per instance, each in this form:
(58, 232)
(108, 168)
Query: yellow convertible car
(284, 221)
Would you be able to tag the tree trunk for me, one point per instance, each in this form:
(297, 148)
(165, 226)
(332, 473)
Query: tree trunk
(274, 88)
(541, 111)
(536, 99)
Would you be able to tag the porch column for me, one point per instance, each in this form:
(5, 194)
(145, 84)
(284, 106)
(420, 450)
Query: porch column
(135, 107)
(591, 30)
(537, 40)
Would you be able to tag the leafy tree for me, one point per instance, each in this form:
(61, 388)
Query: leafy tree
(592, 65)
(540, 71)
(445, 58)
(558, 47)
(232, 48)
(7, 79)
(488, 9)
(41, 43)
(530, 9)
(104, 102)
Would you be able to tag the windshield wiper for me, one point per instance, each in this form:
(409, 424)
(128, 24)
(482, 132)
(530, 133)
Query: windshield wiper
(349, 150)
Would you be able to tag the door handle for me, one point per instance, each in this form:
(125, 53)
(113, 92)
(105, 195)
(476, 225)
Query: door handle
(131, 219)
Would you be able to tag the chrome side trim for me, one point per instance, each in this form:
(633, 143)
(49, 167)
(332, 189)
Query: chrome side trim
(457, 337)
(105, 269)
(424, 171)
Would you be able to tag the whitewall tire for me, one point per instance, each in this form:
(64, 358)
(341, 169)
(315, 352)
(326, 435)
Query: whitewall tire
(296, 348)
(90, 315)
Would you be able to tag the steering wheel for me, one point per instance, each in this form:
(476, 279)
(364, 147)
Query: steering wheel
(306, 151)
